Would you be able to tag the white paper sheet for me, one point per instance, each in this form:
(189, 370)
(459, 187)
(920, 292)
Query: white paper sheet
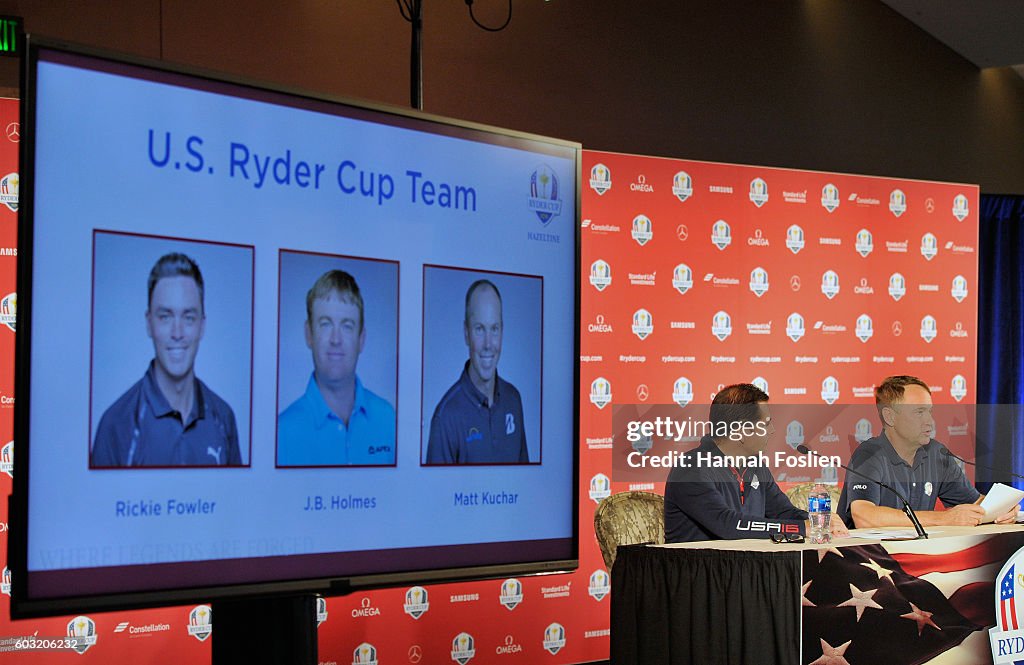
(999, 500)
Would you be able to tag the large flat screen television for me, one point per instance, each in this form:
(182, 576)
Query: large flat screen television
(272, 342)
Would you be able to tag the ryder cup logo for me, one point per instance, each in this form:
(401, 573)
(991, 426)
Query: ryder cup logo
(554, 638)
(929, 246)
(7, 459)
(642, 232)
(721, 234)
(795, 327)
(830, 197)
(864, 329)
(958, 387)
(721, 326)
(9, 310)
(682, 391)
(600, 488)
(682, 186)
(5, 582)
(84, 630)
(929, 328)
(830, 389)
(760, 383)
(416, 602)
(9, 191)
(830, 284)
(511, 594)
(643, 324)
(795, 239)
(462, 648)
(600, 392)
(321, 610)
(682, 278)
(960, 210)
(365, 654)
(544, 194)
(600, 275)
(897, 286)
(200, 622)
(600, 179)
(759, 281)
(897, 202)
(863, 431)
(643, 444)
(959, 289)
(795, 434)
(758, 192)
(600, 585)
(865, 243)
(1007, 637)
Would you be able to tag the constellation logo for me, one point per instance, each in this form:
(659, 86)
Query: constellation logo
(795, 434)
(643, 323)
(682, 391)
(960, 207)
(641, 185)
(321, 610)
(721, 326)
(642, 230)
(7, 459)
(897, 202)
(600, 179)
(864, 330)
(554, 638)
(544, 195)
(795, 327)
(758, 192)
(463, 648)
(84, 629)
(511, 594)
(600, 585)
(830, 197)
(721, 234)
(830, 389)
(761, 383)
(929, 246)
(795, 238)
(830, 284)
(682, 186)
(200, 622)
(958, 387)
(929, 328)
(417, 602)
(600, 275)
(959, 290)
(864, 243)
(364, 654)
(600, 488)
(759, 281)
(682, 278)
(600, 392)
(897, 286)
(862, 431)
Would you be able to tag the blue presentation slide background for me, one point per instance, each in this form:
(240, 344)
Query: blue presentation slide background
(93, 170)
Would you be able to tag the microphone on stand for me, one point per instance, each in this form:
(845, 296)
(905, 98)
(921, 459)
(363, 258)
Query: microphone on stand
(949, 453)
(921, 533)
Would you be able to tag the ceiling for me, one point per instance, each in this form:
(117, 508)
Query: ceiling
(988, 33)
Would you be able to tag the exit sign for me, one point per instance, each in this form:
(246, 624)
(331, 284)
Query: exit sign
(12, 34)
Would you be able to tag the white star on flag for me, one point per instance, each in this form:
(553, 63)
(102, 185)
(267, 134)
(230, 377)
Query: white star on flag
(860, 600)
(879, 570)
(921, 617)
(803, 596)
(831, 655)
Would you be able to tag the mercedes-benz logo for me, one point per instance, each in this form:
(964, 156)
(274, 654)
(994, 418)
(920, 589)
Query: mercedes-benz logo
(929, 204)
(897, 328)
(13, 132)
(794, 282)
(682, 232)
(415, 653)
(642, 392)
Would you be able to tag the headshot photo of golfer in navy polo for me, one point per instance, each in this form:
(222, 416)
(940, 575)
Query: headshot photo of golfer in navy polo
(474, 323)
(170, 417)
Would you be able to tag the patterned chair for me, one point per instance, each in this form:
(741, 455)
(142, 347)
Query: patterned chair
(628, 518)
(799, 493)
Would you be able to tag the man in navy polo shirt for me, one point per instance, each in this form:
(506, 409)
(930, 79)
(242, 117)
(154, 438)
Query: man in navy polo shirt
(480, 419)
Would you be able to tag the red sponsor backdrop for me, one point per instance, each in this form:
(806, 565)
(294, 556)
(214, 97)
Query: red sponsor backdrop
(645, 222)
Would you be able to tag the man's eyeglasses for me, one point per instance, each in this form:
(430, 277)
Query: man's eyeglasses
(787, 538)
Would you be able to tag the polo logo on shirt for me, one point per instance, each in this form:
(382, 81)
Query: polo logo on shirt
(860, 487)
(474, 435)
(510, 423)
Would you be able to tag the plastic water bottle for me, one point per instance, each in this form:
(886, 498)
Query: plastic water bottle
(819, 508)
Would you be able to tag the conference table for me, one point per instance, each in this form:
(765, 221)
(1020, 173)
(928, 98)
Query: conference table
(856, 600)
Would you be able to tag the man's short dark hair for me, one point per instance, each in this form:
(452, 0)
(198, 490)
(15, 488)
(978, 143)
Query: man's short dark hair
(479, 284)
(736, 404)
(175, 264)
(335, 281)
(891, 390)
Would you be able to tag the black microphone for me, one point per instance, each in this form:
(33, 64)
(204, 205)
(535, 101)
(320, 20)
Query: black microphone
(921, 533)
(949, 453)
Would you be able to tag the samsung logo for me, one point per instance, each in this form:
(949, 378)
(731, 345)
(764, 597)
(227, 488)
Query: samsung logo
(8, 251)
